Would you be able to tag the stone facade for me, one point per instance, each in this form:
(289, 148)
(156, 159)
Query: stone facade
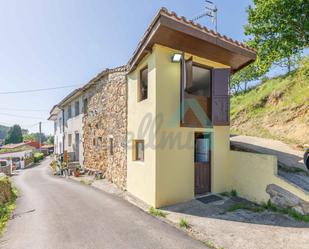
(105, 126)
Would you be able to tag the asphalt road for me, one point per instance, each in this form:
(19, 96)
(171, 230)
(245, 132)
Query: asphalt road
(57, 213)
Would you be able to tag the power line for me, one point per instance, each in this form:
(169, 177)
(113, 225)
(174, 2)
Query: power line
(19, 116)
(39, 89)
(24, 110)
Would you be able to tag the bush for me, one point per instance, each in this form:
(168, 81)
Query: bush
(38, 157)
(8, 195)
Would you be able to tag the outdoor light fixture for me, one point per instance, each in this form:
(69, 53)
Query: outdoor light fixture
(176, 57)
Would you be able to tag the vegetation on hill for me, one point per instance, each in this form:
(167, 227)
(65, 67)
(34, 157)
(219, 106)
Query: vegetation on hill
(3, 131)
(278, 108)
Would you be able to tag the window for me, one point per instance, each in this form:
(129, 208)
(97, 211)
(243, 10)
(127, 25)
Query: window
(85, 106)
(93, 142)
(55, 126)
(196, 95)
(76, 108)
(138, 150)
(69, 139)
(202, 148)
(143, 84)
(111, 146)
(69, 111)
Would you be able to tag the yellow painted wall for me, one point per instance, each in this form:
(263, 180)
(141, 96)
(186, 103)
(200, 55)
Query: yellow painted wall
(141, 175)
(167, 174)
(251, 173)
(175, 162)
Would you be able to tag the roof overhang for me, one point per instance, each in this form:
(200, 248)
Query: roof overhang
(169, 30)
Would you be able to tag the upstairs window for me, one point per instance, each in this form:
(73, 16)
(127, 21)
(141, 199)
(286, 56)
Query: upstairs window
(69, 111)
(76, 108)
(85, 106)
(196, 95)
(143, 84)
(111, 146)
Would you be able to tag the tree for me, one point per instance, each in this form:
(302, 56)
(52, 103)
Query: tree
(14, 135)
(29, 137)
(50, 139)
(279, 31)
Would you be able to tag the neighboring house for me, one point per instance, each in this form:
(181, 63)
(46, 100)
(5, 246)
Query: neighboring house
(176, 117)
(16, 147)
(72, 107)
(56, 115)
(105, 125)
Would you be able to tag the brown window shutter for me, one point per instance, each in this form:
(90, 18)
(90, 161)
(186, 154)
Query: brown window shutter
(220, 96)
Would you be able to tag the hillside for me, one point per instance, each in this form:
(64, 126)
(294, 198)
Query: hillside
(3, 131)
(277, 108)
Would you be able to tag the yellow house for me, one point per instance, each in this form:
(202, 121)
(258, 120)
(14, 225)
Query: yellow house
(178, 117)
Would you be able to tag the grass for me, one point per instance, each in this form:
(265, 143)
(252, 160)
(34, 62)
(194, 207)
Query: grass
(274, 102)
(183, 223)
(269, 207)
(156, 212)
(82, 181)
(211, 245)
(232, 193)
(7, 209)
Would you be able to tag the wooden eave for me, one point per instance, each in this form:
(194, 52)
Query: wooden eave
(184, 36)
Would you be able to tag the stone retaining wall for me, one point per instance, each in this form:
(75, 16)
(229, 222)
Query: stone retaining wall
(105, 127)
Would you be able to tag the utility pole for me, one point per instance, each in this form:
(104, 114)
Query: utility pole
(40, 135)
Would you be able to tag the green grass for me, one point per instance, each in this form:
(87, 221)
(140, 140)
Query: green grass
(232, 193)
(156, 212)
(269, 207)
(274, 102)
(211, 245)
(183, 223)
(6, 210)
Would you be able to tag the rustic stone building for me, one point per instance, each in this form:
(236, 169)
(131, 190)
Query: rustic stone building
(105, 125)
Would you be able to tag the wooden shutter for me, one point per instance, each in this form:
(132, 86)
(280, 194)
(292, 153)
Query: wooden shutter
(220, 96)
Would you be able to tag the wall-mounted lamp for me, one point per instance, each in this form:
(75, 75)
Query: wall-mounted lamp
(176, 57)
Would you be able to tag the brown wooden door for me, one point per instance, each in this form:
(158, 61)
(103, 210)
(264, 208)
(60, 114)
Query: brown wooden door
(202, 163)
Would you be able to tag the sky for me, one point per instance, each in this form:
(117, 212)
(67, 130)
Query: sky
(54, 43)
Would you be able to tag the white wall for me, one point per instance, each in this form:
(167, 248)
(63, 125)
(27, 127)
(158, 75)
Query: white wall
(74, 125)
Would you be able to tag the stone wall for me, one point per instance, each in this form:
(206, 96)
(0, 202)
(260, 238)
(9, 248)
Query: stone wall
(105, 126)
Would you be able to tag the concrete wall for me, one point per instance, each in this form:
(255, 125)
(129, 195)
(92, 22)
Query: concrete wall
(167, 174)
(175, 160)
(141, 175)
(58, 134)
(250, 173)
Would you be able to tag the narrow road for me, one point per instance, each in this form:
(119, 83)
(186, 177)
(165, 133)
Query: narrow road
(56, 213)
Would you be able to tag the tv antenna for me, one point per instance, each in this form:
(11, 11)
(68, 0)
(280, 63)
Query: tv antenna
(210, 11)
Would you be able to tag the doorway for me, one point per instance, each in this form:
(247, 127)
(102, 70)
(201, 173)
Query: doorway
(202, 163)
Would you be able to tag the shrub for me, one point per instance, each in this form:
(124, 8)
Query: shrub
(38, 156)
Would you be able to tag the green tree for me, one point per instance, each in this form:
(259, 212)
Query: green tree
(14, 135)
(29, 137)
(50, 139)
(279, 31)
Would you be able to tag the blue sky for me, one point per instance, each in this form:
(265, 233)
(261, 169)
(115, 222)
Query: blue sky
(51, 43)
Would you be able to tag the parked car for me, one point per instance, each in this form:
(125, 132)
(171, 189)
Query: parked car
(306, 158)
